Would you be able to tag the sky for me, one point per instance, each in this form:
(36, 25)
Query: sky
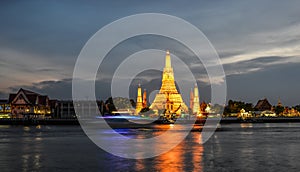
(258, 43)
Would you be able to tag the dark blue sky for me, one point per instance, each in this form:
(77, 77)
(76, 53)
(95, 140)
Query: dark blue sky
(258, 43)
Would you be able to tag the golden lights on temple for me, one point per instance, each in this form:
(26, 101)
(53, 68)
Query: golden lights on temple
(168, 99)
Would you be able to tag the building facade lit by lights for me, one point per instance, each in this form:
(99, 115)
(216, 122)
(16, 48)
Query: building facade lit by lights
(5, 110)
(29, 103)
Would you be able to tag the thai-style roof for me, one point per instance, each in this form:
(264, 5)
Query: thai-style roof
(30, 97)
(263, 105)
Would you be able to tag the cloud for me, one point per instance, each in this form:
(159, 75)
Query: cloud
(278, 81)
(246, 87)
(252, 38)
(284, 52)
(59, 89)
(256, 64)
(18, 67)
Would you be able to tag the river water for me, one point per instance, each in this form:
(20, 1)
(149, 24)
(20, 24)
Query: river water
(237, 147)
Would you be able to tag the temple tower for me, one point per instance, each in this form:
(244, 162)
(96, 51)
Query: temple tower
(279, 103)
(144, 99)
(139, 101)
(168, 98)
(196, 104)
(191, 99)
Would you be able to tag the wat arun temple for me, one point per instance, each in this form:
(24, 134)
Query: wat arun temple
(168, 100)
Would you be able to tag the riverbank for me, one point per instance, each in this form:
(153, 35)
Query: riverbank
(10, 121)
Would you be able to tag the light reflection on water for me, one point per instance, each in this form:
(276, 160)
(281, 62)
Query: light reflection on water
(180, 158)
(31, 148)
(237, 147)
(246, 125)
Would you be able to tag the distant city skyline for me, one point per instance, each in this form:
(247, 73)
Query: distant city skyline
(257, 41)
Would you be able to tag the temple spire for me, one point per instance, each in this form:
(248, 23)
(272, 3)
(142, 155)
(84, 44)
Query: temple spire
(196, 92)
(144, 99)
(139, 101)
(196, 103)
(168, 60)
(279, 103)
(191, 98)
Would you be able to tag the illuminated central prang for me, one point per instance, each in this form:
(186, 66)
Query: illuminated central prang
(168, 99)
